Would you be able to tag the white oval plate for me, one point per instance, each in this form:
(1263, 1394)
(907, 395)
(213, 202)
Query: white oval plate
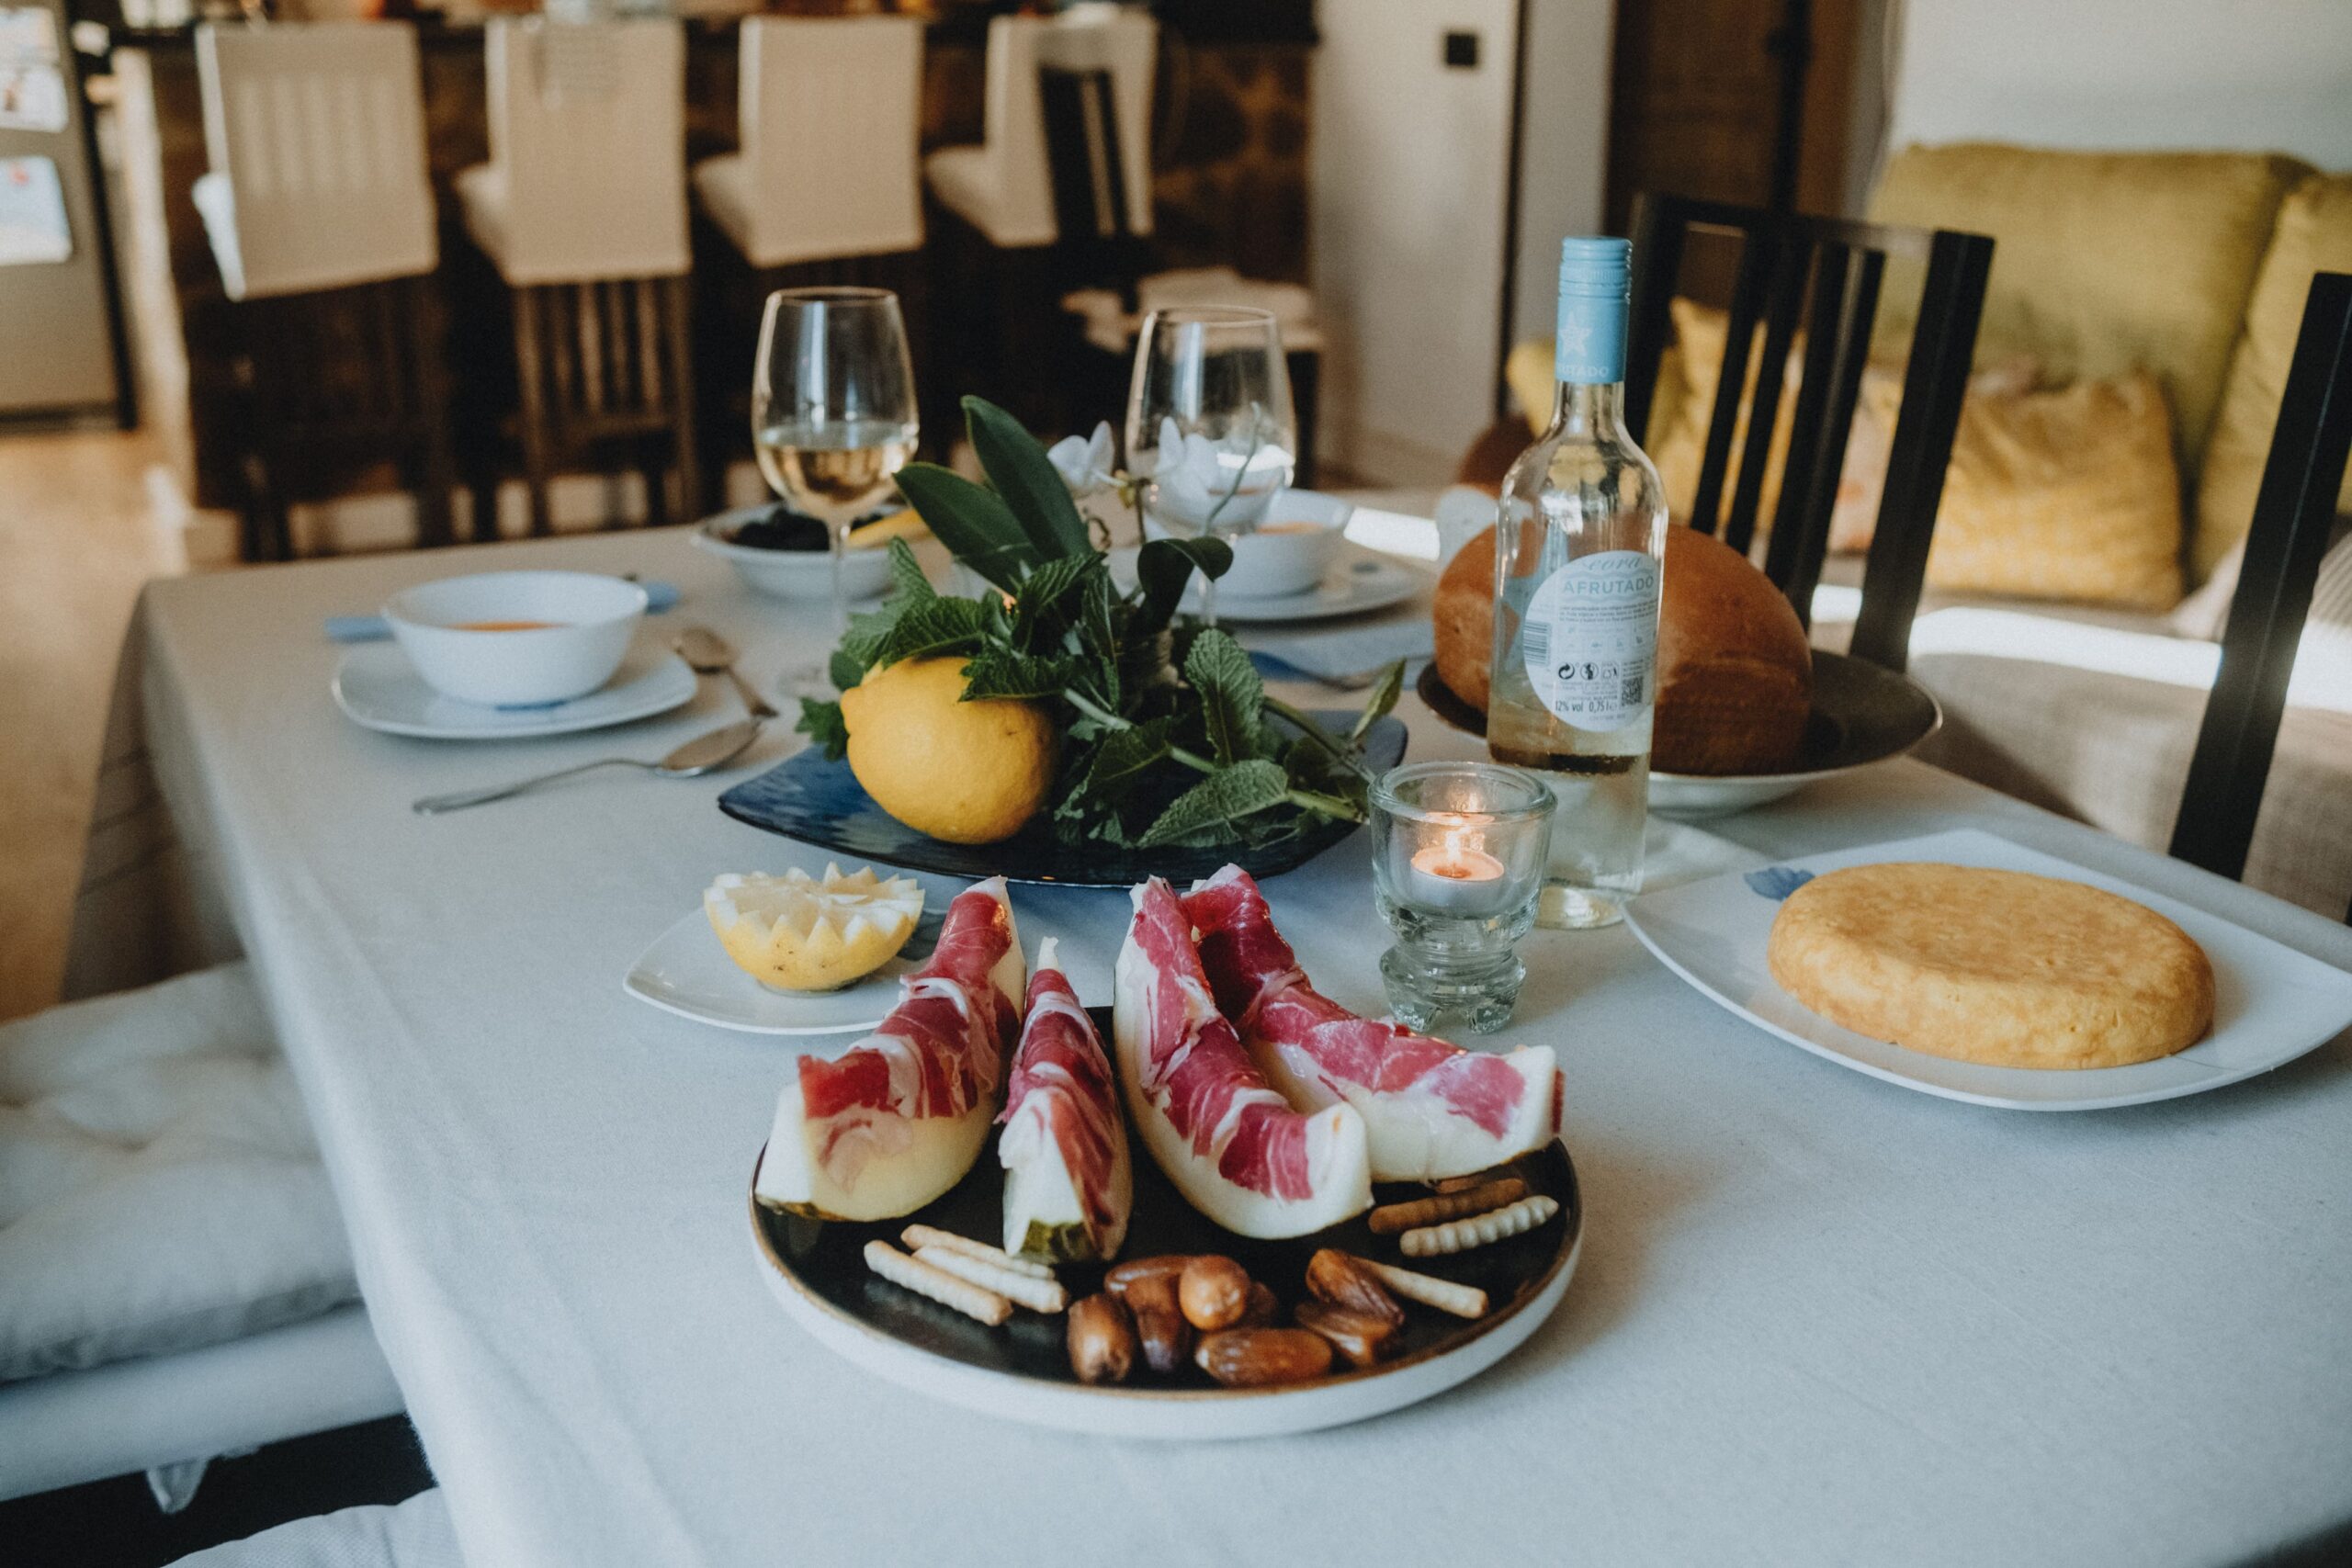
(378, 688)
(1360, 580)
(687, 972)
(2272, 1004)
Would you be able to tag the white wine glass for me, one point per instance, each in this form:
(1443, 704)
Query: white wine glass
(833, 415)
(1210, 430)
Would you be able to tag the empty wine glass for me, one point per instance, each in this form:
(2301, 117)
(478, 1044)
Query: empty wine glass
(833, 413)
(1210, 429)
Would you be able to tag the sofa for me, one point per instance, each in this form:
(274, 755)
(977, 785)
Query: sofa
(2171, 283)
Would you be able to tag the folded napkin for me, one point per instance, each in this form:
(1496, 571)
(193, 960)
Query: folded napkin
(1349, 648)
(659, 596)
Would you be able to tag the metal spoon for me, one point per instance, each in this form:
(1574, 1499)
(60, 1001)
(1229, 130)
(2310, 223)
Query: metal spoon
(708, 653)
(700, 755)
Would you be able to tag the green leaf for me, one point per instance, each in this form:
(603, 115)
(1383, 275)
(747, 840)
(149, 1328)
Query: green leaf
(995, 673)
(862, 644)
(971, 520)
(1125, 756)
(847, 668)
(1044, 589)
(1230, 693)
(822, 723)
(1017, 466)
(907, 579)
(1164, 566)
(935, 626)
(1210, 808)
(1385, 694)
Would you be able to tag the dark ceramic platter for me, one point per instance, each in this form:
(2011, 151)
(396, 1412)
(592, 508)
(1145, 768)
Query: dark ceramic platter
(819, 803)
(824, 1260)
(1861, 713)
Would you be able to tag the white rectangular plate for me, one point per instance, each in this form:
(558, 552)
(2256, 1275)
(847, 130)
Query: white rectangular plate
(2272, 1003)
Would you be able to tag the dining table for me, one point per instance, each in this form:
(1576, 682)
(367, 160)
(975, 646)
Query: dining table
(1818, 1318)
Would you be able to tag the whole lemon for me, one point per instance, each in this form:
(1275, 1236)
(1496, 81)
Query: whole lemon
(968, 773)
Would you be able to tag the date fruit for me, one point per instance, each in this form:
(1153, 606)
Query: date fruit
(1123, 1278)
(1212, 1291)
(1265, 1308)
(1340, 1279)
(1160, 1322)
(1359, 1337)
(1253, 1357)
(1101, 1340)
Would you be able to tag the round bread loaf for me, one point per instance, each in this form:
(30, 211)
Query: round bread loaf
(1998, 967)
(1735, 672)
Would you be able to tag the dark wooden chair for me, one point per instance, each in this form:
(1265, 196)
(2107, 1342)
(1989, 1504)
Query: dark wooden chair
(1824, 275)
(2294, 513)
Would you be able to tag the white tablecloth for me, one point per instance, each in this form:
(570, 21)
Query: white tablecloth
(1819, 1319)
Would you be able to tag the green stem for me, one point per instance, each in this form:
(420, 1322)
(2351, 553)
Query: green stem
(1339, 750)
(1322, 805)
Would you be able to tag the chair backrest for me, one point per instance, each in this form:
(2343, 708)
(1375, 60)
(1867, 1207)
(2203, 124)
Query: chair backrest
(1083, 161)
(2294, 511)
(1124, 45)
(320, 129)
(588, 132)
(1825, 274)
(830, 116)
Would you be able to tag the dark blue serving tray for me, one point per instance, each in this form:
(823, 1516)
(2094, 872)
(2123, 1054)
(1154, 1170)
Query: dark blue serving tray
(819, 803)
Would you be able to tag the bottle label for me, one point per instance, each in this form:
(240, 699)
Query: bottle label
(1590, 349)
(1589, 639)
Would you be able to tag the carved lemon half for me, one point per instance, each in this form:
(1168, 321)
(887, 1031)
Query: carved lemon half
(797, 932)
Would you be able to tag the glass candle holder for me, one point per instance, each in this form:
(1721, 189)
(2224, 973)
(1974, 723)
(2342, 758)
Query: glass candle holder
(1457, 861)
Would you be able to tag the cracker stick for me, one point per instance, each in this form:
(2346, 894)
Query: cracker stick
(923, 1280)
(1445, 1295)
(1463, 1183)
(917, 1237)
(1391, 1218)
(1022, 1289)
(1461, 1235)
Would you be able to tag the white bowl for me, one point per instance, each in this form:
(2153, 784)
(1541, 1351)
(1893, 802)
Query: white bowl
(1288, 552)
(793, 574)
(590, 620)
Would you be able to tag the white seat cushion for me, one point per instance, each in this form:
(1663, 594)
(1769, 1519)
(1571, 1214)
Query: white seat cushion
(723, 186)
(481, 198)
(415, 1534)
(217, 204)
(159, 1186)
(965, 180)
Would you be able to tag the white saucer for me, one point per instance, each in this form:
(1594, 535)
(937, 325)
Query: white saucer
(377, 687)
(1360, 580)
(2273, 1004)
(687, 973)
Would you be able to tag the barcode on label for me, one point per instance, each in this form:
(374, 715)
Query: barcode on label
(1630, 693)
(1538, 637)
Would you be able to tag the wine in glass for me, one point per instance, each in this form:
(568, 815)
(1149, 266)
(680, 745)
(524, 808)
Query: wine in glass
(832, 408)
(1210, 429)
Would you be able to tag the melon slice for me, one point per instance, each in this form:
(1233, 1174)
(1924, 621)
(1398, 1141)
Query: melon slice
(1068, 1185)
(897, 1120)
(1229, 1141)
(1431, 1110)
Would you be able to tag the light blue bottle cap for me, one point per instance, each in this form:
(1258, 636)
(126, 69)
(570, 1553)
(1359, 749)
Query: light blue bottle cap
(1596, 281)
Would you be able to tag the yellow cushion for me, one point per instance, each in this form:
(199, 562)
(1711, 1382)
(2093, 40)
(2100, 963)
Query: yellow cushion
(2064, 494)
(2313, 234)
(1527, 373)
(2104, 263)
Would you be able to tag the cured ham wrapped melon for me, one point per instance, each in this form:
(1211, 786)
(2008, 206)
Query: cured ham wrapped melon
(1230, 1143)
(1431, 1110)
(897, 1120)
(1068, 1186)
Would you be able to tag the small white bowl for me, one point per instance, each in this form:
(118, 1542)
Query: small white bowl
(793, 574)
(1289, 551)
(590, 620)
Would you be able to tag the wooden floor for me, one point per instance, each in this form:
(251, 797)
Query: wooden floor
(80, 530)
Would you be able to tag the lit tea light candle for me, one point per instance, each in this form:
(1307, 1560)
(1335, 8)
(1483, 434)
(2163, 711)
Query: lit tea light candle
(1455, 875)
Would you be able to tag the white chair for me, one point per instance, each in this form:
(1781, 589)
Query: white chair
(316, 133)
(322, 219)
(583, 210)
(1004, 186)
(175, 1282)
(587, 145)
(828, 115)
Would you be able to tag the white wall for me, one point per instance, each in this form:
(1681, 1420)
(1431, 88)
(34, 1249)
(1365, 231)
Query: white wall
(1409, 169)
(1563, 154)
(2251, 74)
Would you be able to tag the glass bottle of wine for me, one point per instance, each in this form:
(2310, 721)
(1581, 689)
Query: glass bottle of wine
(1579, 547)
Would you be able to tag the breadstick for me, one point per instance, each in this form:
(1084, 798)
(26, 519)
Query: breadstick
(1463, 1183)
(948, 1291)
(917, 1237)
(1461, 1235)
(1022, 1289)
(1391, 1218)
(1445, 1295)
